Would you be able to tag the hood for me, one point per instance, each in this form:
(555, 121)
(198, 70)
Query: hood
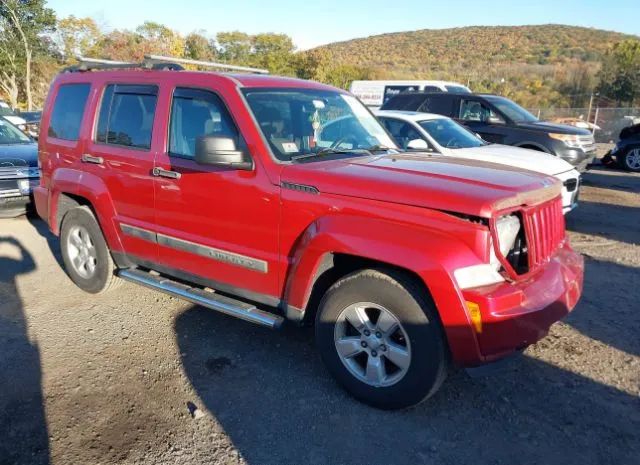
(18, 155)
(526, 159)
(544, 126)
(426, 180)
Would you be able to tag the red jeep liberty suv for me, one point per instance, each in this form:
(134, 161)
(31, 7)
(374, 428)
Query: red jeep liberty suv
(270, 198)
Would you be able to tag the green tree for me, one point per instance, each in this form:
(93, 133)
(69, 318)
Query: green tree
(234, 47)
(620, 72)
(198, 47)
(22, 24)
(273, 52)
(77, 36)
(159, 39)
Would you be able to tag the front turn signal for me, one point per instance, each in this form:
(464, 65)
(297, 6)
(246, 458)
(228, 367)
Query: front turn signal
(476, 318)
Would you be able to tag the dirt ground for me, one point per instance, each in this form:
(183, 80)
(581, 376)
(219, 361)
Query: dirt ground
(112, 379)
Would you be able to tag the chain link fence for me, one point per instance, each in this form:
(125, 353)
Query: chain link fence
(605, 123)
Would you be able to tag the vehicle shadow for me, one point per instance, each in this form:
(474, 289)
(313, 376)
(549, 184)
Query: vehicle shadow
(609, 178)
(616, 222)
(23, 428)
(52, 241)
(278, 405)
(604, 313)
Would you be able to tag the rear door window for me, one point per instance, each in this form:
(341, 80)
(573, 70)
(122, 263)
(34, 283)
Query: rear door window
(68, 110)
(126, 115)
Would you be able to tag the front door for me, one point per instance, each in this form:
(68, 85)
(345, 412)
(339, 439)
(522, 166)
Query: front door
(481, 119)
(216, 223)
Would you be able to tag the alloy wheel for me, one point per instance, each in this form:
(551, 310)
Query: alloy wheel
(372, 344)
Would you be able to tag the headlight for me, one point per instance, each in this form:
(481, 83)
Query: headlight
(507, 229)
(572, 140)
(24, 186)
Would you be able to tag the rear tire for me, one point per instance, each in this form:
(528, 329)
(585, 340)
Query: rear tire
(381, 366)
(86, 256)
(630, 159)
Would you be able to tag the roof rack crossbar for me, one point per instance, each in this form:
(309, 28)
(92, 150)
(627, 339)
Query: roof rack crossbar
(158, 59)
(89, 64)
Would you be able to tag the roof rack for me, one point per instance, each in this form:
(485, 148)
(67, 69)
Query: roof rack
(157, 62)
(90, 64)
(159, 59)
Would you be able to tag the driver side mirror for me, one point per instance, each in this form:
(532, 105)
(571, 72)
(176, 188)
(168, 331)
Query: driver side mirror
(221, 151)
(418, 144)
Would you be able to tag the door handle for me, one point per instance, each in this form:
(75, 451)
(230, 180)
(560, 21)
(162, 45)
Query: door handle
(160, 173)
(86, 158)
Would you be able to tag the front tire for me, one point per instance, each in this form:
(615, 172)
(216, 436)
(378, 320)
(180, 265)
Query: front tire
(630, 159)
(380, 337)
(85, 253)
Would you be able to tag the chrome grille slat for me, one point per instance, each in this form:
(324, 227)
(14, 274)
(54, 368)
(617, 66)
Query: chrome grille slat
(545, 231)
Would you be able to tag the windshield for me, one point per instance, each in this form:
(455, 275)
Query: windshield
(512, 110)
(9, 134)
(449, 134)
(300, 122)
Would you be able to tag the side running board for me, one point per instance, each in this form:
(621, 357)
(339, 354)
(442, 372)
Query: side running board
(204, 298)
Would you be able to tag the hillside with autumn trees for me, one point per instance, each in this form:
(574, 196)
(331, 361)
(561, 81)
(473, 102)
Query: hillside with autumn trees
(538, 66)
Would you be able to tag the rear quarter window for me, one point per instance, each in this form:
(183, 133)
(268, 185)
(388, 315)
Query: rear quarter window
(404, 102)
(68, 110)
(440, 105)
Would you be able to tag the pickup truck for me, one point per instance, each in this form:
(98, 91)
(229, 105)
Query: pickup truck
(243, 194)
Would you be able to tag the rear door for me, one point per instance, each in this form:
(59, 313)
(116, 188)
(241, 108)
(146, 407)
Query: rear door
(479, 117)
(61, 128)
(121, 153)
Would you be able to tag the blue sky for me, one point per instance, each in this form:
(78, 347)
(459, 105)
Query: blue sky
(312, 23)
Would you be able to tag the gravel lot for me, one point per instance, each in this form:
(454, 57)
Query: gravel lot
(110, 379)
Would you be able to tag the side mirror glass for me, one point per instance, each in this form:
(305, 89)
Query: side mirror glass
(221, 151)
(417, 144)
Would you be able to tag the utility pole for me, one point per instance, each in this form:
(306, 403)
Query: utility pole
(591, 106)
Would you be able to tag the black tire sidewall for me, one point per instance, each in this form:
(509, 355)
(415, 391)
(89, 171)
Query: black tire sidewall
(82, 216)
(417, 316)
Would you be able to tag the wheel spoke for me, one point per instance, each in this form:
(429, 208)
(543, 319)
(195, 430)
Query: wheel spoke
(358, 318)
(79, 262)
(91, 265)
(375, 371)
(76, 241)
(398, 355)
(386, 323)
(348, 347)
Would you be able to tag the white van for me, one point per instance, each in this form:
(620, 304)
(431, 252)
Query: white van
(374, 93)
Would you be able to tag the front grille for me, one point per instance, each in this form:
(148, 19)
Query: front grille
(544, 227)
(8, 184)
(571, 184)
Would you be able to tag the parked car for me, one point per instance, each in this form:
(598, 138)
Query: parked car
(32, 122)
(19, 171)
(439, 134)
(499, 120)
(186, 181)
(627, 149)
(376, 93)
(10, 115)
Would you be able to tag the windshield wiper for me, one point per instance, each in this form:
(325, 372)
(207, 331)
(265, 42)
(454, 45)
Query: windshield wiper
(378, 148)
(328, 151)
